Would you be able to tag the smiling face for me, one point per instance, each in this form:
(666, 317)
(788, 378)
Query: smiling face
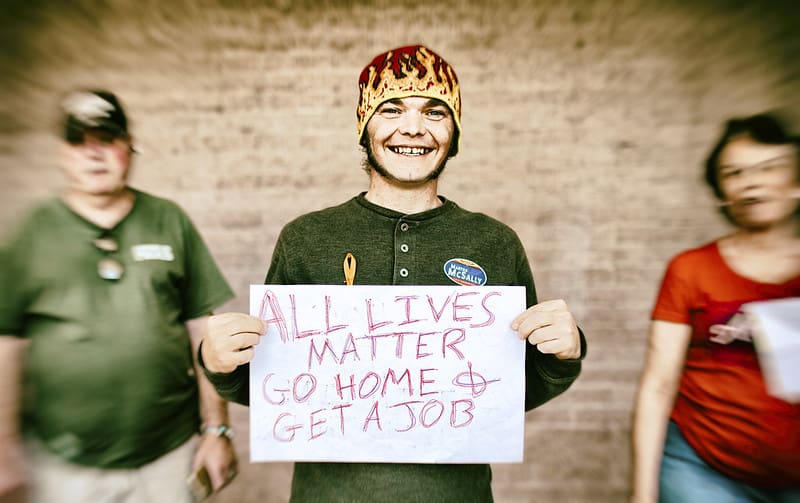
(98, 165)
(759, 182)
(408, 140)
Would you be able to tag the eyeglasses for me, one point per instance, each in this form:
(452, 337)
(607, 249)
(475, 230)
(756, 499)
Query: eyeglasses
(108, 267)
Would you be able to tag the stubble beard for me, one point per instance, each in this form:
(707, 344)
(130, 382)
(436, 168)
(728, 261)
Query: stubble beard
(370, 163)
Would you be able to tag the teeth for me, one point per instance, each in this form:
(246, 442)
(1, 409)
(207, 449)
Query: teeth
(410, 150)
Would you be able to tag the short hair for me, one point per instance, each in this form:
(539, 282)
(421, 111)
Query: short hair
(763, 128)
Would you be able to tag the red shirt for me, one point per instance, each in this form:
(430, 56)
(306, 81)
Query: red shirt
(722, 406)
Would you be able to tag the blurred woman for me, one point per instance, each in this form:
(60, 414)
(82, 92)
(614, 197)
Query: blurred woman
(705, 428)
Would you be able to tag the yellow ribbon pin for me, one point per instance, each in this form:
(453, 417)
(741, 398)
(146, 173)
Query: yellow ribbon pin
(349, 269)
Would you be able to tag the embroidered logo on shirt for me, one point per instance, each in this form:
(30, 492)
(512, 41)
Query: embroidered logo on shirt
(152, 252)
(465, 272)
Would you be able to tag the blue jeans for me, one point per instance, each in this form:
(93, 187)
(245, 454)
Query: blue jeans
(685, 478)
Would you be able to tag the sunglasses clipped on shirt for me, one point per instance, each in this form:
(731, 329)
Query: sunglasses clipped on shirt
(108, 267)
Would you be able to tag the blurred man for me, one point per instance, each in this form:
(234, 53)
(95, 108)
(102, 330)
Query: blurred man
(401, 232)
(106, 293)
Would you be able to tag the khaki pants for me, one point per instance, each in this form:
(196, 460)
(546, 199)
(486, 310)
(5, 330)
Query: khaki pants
(162, 480)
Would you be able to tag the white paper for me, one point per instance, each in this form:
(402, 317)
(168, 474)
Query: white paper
(776, 334)
(422, 374)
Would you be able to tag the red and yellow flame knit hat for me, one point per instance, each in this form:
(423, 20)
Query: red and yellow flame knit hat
(408, 71)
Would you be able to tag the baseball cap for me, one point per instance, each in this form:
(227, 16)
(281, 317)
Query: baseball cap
(93, 110)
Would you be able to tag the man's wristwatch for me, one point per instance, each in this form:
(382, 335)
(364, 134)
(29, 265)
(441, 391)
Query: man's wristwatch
(219, 430)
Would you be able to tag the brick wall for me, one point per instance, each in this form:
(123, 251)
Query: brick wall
(585, 124)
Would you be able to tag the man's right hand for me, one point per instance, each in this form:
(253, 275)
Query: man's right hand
(229, 341)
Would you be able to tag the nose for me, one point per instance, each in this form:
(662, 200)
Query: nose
(753, 177)
(412, 123)
(92, 147)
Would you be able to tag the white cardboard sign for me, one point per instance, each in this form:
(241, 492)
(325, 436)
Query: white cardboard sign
(776, 332)
(417, 374)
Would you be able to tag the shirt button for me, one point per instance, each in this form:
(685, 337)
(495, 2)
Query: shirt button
(404, 227)
(404, 248)
(404, 272)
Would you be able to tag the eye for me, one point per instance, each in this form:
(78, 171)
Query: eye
(730, 173)
(436, 113)
(775, 165)
(389, 111)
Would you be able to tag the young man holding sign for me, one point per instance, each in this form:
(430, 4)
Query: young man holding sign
(401, 232)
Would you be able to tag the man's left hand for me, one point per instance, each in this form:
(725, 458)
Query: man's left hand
(551, 328)
(216, 453)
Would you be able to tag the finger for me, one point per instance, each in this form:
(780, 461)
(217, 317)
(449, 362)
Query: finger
(243, 356)
(545, 334)
(531, 322)
(562, 321)
(243, 341)
(223, 355)
(233, 323)
(557, 340)
(538, 320)
(229, 474)
(547, 306)
(561, 348)
(219, 477)
(550, 347)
